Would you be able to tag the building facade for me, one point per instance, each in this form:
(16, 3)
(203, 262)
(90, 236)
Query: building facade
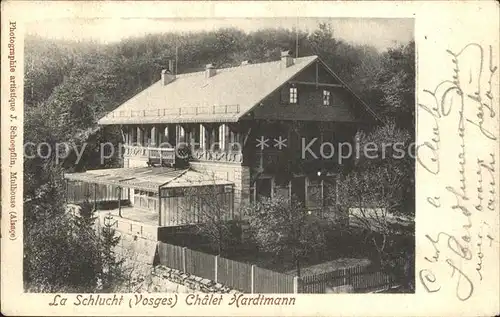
(255, 130)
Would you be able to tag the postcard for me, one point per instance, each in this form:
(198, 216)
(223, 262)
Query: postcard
(250, 158)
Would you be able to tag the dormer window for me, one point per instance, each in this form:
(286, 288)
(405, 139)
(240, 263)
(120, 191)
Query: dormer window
(293, 95)
(326, 98)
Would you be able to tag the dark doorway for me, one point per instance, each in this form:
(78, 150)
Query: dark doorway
(263, 188)
(299, 189)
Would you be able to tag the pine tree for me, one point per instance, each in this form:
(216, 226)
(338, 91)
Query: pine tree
(111, 273)
(88, 268)
(87, 215)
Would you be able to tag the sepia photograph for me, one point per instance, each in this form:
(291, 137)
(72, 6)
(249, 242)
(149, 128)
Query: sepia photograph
(219, 155)
(267, 158)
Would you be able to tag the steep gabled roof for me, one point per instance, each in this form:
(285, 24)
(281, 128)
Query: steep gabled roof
(225, 97)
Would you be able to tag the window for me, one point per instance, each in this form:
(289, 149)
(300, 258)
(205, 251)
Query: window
(263, 188)
(281, 187)
(195, 138)
(181, 134)
(314, 193)
(133, 136)
(170, 135)
(293, 95)
(326, 98)
(214, 140)
(234, 140)
(299, 189)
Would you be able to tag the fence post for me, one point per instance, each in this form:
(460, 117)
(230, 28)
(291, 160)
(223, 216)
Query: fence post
(252, 279)
(184, 259)
(295, 284)
(216, 267)
(349, 273)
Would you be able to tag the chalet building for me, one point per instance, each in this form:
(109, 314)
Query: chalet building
(241, 129)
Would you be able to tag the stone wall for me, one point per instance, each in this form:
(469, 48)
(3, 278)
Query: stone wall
(165, 278)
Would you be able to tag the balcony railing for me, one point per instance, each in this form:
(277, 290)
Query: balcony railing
(150, 154)
(198, 110)
(228, 156)
(168, 155)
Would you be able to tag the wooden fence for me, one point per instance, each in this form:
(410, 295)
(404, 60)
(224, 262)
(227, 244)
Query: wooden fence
(241, 276)
(252, 279)
(266, 281)
(171, 256)
(234, 274)
(360, 279)
(200, 264)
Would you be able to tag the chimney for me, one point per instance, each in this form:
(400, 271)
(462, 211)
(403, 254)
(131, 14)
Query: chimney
(210, 70)
(286, 59)
(247, 62)
(168, 75)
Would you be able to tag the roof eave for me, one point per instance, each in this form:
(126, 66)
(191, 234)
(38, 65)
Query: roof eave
(164, 120)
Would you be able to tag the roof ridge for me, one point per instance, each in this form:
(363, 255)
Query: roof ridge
(239, 66)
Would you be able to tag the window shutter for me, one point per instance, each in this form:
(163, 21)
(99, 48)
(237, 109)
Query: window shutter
(285, 95)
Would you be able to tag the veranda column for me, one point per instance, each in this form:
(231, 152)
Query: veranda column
(126, 136)
(139, 136)
(95, 196)
(119, 201)
(222, 137)
(202, 136)
(66, 183)
(153, 136)
(133, 135)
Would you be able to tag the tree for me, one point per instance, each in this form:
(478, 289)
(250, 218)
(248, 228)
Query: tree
(393, 146)
(282, 226)
(209, 209)
(397, 83)
(87, 262)
(112, 274)
(374, 199)
(60, 257)
(379, 196)
(85, 219)
(60, 249)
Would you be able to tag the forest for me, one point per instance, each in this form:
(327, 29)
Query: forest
(70, 85)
